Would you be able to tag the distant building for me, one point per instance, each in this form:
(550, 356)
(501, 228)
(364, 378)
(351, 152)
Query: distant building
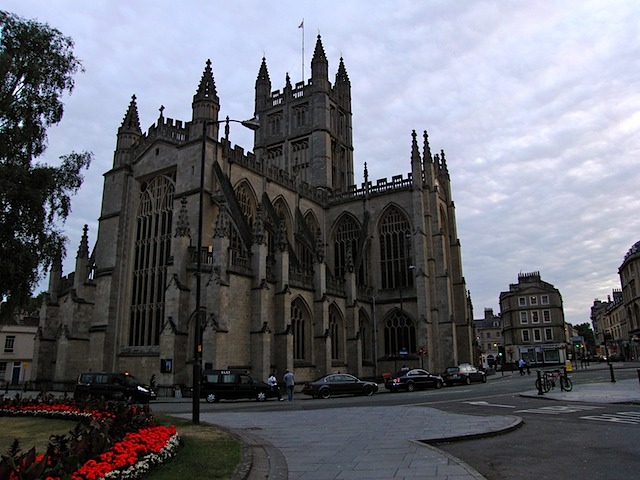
(16, 348)
(533, 321)
(489, 338)
(616, 322)
(301, 268)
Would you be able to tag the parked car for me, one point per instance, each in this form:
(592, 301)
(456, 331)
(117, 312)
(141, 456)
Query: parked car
(410, 380)
(339, 384)
(113, 386)
(219, 385)
(464, 373)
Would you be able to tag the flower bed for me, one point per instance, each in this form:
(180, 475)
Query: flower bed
(111, 441)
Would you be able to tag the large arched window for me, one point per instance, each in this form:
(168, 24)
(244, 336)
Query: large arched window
(399, 334)
(152, 253)
(395, 250)
(247, 202)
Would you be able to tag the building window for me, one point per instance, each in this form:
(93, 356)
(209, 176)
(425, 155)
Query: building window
(299, 332)
(300, 115)
(548, 334)
(247, 203)
(522, 301)
(366, 337)
(151, 257)
(3, 370)
(9, 343)
(334, 333)
(536, 335)
(535, 317)
(399, 334)
(546, 316)
(533, 300)
(525, 335)
(498, 334)
(523, 318)
(274, 122)
(395, 251)
(488, 334)
(545, 299)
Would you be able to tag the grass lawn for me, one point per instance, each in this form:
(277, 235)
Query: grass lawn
(31, 431)
(207, 452)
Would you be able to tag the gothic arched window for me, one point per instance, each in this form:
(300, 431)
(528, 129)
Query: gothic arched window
(395, 250)
(247, 202)
(335, 332)
(399, 334)
(151, 256)
(300, 322)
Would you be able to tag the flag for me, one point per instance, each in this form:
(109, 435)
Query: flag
(301, 24)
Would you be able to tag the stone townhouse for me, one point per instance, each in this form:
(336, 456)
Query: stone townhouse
(300, 267)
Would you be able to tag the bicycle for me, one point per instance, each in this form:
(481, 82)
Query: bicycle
(549, 378)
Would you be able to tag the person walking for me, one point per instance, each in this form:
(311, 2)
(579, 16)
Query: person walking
(290, 382)
(521, 366)
(272, 381)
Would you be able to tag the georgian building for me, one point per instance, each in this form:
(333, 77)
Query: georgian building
(533, 321)
(616, 322)
(300, 267)
(489, 338)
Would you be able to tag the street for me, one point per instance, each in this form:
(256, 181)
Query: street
(557, 439)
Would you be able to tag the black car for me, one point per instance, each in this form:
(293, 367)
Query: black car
(219, 385)
(113, 386)
(410, 380)
(464, 373)
(339, 384)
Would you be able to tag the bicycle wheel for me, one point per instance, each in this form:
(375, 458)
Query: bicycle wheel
(566, 384)
(545, 386)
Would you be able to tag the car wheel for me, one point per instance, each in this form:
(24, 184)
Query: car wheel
(325, 393)
(212, 398)
(484, 379)
(367, 390)
(410, 387)
(261, 396)
(438, 384)
(467, 380)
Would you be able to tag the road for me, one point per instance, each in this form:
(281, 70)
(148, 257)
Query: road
(557, 439)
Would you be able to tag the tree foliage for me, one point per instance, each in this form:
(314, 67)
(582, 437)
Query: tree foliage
(37, 66)
(584, 330)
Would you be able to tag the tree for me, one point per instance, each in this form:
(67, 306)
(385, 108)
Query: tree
(584, 330)
(36, 69)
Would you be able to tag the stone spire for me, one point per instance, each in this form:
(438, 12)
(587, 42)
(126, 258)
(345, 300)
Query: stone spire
(263, 87)
(320, 66)
(131, 121)
(205, 105)
(128, 134)
(207, 88)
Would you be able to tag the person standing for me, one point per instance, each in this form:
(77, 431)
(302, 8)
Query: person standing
(290, 382)
(272, 381)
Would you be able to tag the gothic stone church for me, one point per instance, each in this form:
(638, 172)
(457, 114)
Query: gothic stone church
(300, 267)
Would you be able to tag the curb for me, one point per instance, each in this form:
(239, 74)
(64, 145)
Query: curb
(515, 424)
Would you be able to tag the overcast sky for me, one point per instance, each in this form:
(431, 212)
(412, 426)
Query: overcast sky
(536, 105)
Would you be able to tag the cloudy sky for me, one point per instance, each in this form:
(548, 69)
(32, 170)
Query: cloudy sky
(536, 104)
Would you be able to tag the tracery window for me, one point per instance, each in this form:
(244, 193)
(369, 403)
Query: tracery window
(247, 203)
(335, 334)
(299, 324)
(151, 256)
(274, 121)
(399, 334)
(395, 250)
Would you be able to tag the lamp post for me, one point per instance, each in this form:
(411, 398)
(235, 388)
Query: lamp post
(252, 124)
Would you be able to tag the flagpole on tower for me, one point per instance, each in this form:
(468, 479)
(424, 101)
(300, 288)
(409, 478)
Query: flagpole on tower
(302, 27)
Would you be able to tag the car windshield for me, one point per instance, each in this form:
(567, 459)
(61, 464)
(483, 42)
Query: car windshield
(452, 370)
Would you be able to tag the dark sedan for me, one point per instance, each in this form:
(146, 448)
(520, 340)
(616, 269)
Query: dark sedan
(464, 374)
(339, 384)
(413, 379)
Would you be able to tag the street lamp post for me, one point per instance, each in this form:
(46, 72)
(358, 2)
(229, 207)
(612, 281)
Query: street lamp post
(252, 124)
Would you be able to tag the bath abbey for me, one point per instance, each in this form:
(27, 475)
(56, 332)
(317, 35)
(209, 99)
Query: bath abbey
(211, 256)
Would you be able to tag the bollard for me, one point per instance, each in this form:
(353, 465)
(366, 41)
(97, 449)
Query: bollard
(539, 384)
(613, 379)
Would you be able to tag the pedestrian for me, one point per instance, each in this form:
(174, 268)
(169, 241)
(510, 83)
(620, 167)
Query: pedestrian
(521, 366)
(273, 383)
(152, 382)
(528, 365)
(290, 382)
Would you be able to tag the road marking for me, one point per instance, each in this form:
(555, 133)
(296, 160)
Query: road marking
(487, 404)
(559, 409)
(625, 418)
